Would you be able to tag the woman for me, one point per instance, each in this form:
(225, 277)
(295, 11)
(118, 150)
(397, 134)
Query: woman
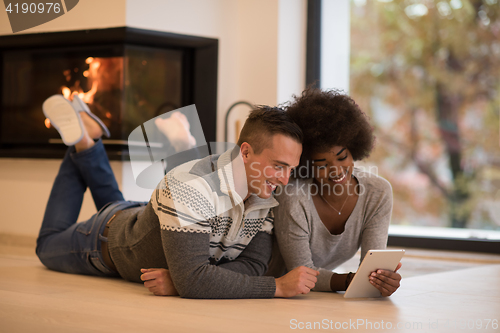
(332, 209)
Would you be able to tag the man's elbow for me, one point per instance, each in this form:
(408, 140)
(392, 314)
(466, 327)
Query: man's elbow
(195, 288)
(199, 293)
(190, 290)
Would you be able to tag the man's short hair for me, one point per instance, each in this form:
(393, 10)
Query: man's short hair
(264, 122)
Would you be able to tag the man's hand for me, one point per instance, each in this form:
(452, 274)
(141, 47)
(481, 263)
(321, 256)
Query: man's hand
(386, 281)
(158, 281)
(300, 280)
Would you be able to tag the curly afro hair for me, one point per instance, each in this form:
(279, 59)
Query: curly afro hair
(331, 118)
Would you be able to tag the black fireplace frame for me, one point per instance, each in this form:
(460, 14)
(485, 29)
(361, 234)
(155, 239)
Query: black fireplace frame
(199, 73)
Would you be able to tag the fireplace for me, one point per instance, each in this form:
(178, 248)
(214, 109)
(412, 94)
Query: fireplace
(127, 76)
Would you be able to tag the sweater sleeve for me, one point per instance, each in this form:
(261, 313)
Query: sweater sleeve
(254, 259)
(378, 217)
(292, 231)
(193, 276)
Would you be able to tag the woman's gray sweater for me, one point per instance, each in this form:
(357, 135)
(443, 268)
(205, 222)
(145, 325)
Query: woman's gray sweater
(304, 240)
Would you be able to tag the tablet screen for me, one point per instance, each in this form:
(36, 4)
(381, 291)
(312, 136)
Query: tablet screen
(374, 259)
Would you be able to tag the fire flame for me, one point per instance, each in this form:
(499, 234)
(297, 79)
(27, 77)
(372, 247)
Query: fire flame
(105, 74)
(66, 92)
(91, 74)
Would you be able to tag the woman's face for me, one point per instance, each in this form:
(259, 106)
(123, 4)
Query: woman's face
(333, 167)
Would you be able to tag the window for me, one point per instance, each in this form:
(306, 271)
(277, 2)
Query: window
(428, 74)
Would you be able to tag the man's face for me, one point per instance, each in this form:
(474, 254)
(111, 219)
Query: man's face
(272, 166)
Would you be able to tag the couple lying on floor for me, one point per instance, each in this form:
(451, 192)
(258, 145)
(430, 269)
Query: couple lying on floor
(210, 225)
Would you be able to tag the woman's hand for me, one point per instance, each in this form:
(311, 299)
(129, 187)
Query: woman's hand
(386, 281)
(158, 281)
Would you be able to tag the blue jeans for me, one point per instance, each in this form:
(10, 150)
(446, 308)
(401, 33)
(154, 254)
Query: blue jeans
(64, 245)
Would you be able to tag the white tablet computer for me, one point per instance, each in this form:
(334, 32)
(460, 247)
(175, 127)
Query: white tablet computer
(374, 259)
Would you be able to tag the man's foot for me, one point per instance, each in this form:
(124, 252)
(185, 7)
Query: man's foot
(65, 120)
(95, 127)
(92, 127)
(85, 143)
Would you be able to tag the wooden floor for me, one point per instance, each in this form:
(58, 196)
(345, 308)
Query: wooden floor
(34, 299)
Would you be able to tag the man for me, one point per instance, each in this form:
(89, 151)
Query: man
(206, 232)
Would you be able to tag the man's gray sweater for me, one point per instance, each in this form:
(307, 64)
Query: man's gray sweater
(214, 244)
